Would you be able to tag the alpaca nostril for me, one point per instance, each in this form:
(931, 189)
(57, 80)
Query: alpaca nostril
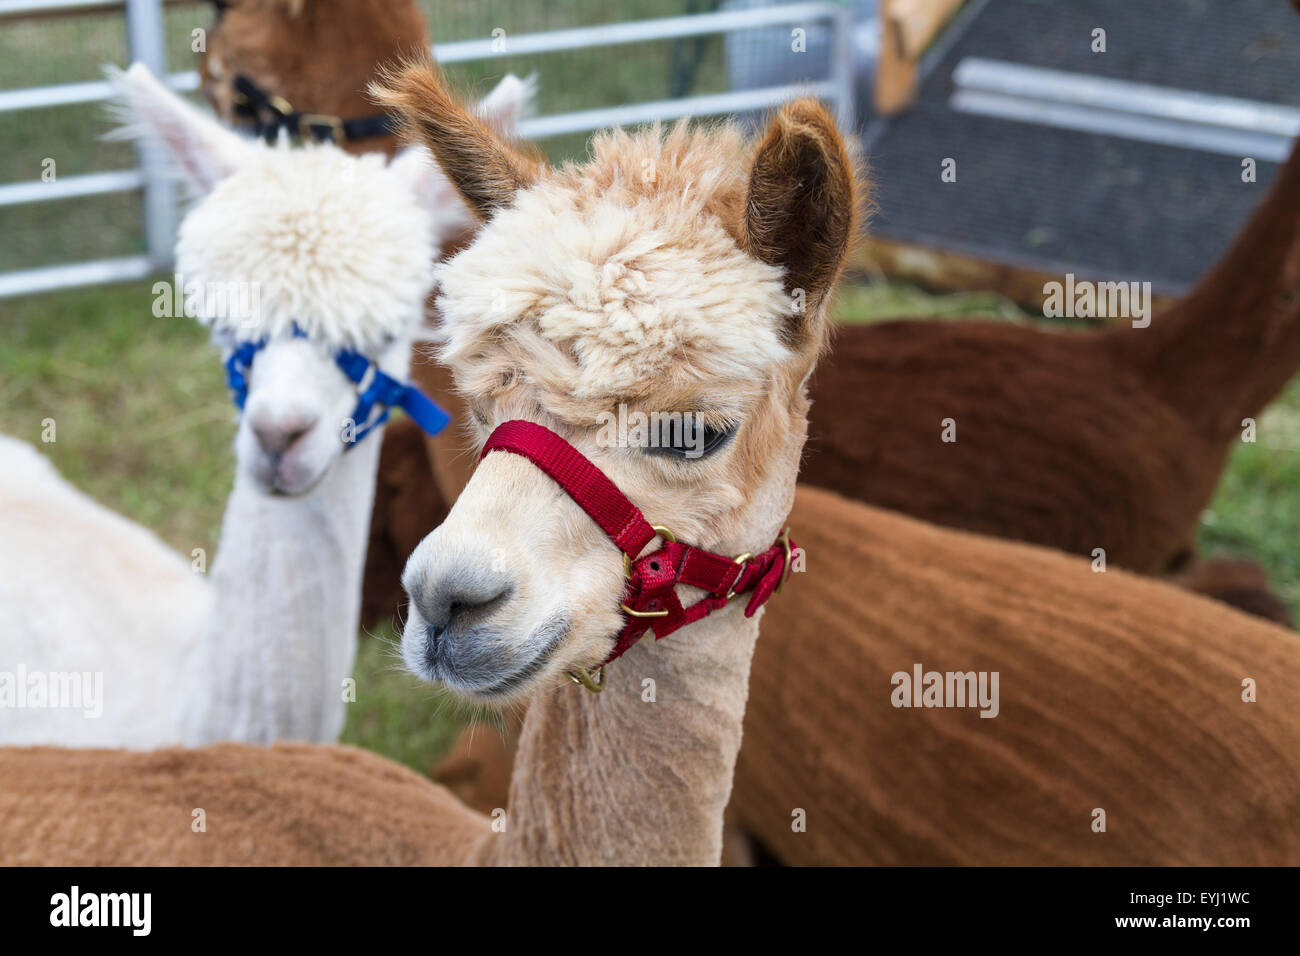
(457, 602)
(276, 439)
(432, 635)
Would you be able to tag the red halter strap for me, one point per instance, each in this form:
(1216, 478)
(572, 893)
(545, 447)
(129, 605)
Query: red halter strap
(650, 601)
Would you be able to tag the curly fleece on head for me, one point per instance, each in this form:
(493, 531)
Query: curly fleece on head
(335, 243)
(639, 278)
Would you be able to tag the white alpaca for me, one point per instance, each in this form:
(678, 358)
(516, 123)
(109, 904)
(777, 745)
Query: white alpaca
(338, 250)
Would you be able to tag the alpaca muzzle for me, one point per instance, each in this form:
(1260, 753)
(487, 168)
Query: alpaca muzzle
(650, 603)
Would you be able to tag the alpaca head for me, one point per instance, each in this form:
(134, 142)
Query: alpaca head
(318, 56)
(310, 250)
(683, 273)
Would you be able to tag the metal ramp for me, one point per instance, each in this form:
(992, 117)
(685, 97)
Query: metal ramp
(1123, 164)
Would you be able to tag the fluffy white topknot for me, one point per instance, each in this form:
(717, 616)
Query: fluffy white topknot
(336, 243)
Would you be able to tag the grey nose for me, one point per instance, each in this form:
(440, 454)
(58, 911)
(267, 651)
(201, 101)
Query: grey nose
(277, 435)
(457, 597)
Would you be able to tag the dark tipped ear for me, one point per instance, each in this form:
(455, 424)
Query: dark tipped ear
(802, 206)
(486, 169)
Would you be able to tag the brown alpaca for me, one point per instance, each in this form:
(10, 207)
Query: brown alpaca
(319, 55)
(1116, 692)
(1077, 441)
(568, 256)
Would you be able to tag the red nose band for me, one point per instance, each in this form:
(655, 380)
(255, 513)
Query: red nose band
(650, 602)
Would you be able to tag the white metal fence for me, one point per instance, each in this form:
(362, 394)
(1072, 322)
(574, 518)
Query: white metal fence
(145, 43)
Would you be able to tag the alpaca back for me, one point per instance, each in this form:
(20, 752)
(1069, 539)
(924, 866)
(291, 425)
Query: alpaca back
(284, 805)
(84, 590)
(1116, 693)
(1053, 441)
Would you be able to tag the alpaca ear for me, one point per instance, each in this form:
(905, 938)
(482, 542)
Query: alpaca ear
(486, 169)
(415, 167)
(205, 150)
(510, 101)
(801, 208)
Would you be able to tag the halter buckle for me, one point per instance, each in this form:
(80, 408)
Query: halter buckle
(594, 681)
(740, 559)
(789, 555)
(309, 120)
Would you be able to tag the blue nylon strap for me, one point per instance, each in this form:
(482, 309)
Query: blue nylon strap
(383, 392)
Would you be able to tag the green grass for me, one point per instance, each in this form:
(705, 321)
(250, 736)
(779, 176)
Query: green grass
(1256, 511)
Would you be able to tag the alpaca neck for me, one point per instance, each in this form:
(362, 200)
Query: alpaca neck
(641, 772)
(280, 639)
(1236, 336)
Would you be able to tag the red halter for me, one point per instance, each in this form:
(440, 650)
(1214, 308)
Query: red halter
(650, 602)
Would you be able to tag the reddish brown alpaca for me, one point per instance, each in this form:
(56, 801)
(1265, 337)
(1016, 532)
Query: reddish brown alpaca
(320, 55)
(1077, 441)
(317, 54)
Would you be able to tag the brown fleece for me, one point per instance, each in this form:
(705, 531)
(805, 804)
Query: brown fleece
(286, 805)
(318, 55)
(403, 488)
(1242, 584)
(1117, 692)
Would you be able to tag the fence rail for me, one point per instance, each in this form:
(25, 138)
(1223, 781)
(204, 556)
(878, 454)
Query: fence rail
(145, 43)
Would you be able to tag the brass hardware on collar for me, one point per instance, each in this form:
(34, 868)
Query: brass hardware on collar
(631, 613)
(785, 571)
(309, 120)
(739, 559)
(280, 104)
(594, 681)
(627, 562)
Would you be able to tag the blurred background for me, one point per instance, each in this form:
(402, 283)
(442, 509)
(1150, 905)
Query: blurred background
(1107, 186)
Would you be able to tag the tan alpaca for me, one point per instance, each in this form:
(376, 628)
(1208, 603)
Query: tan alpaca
(587, 288)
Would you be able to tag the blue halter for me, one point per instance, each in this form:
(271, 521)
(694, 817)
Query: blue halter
(383, 393)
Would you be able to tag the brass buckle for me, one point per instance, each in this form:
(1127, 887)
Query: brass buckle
(594, 681)
(739, 559)
(307, 120)
(789, 554)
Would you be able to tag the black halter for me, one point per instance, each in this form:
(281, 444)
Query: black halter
(271, 113)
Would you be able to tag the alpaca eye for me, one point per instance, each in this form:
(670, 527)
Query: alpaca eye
(690, 439)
